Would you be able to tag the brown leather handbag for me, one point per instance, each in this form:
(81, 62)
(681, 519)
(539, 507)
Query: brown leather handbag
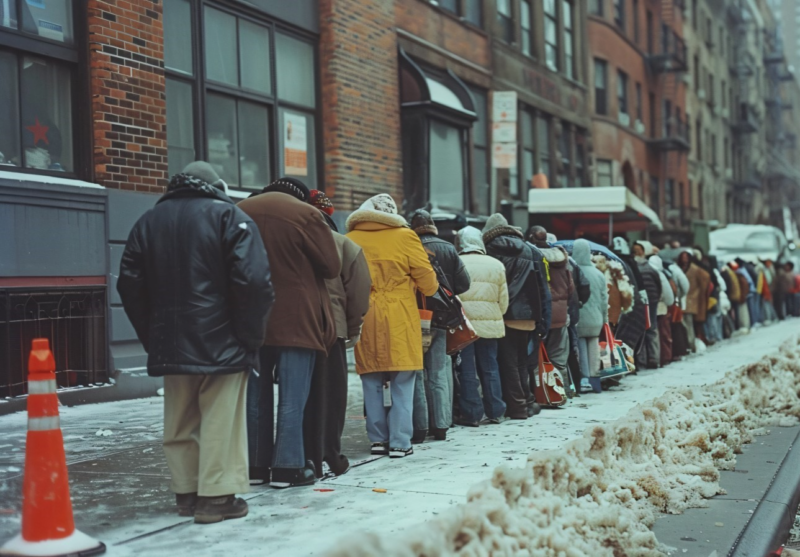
(461, 336)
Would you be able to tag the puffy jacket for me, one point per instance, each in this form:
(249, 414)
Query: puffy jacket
(524, 275)
(651, 281)
(349, 292)
(487, 298)
(195, 283)
(594, 312)
(667, 295)
(391, 339)
(561, 285)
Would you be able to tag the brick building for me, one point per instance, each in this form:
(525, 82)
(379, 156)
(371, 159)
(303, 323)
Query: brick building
(101, 101)
(640, 132)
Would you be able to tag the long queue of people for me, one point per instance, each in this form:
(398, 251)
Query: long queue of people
(230, 299)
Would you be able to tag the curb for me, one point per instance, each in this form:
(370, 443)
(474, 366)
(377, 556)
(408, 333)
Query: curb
(773, 518)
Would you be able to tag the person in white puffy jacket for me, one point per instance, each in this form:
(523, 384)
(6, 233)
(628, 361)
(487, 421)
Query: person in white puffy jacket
(662, 311)
(485, 303)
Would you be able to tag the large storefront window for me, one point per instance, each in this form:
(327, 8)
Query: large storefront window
(227, 104)
(447, 165)
(480, 152)
(37, 77)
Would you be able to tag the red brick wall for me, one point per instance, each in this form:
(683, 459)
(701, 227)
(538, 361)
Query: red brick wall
(128, 106)
(360, 101)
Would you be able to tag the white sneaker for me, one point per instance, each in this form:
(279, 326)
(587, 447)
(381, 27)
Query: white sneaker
(401, 453)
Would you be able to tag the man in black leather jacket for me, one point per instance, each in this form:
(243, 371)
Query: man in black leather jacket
(528, 314)
(433, 391)
(195, 283)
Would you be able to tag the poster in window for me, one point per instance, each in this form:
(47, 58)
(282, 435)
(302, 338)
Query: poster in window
(504, 155)
(295, 146)
(504, 106)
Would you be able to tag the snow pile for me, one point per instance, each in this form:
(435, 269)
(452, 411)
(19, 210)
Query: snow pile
(600, 494)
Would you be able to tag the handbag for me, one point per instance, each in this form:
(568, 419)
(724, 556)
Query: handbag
(612, 358)
(549, 391)
(462, 335)
(425, 316)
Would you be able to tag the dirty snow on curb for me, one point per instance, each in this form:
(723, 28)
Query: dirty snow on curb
(600, 494)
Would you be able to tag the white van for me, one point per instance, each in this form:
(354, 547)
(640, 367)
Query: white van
(750, 242)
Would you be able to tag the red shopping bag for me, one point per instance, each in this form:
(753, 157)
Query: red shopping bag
(549, 391)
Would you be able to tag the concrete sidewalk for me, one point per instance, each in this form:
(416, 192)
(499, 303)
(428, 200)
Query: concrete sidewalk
(119, 480)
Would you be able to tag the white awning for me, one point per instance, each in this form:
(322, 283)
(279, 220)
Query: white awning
(594, 206)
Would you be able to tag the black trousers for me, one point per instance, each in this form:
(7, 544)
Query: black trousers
(260, 415)
(325, 412)
(512, 357)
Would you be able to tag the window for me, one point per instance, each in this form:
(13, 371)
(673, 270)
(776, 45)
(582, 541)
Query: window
(665, 31)
(697, 83)
(527, 34)
(446, 165)
(255, 122)
(469, 10)
(649, 32)
(37, 80)
(604, 173)
(726, 153)
(666, 119)
(565, 148)
(669, 194)
(622, 92)
(543, 135)
(569, 39)
(596, 7)
(480, 152)
(710, 89)
(639, 101)
(528, 162)
(655, 195)
(551, 34)
(709, 33)
(505, 20)
(723, 89)
(619, 13)
(653, 114)
(714, 149)
(699, 139)
(600, 86)
(636, 31)
(580, 159)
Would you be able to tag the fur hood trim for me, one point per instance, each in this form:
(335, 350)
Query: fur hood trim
(371, 215)
(498, 231)
(427, 229)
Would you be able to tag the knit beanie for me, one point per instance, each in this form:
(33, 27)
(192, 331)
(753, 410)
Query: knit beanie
(321, 202)
(201, 170)
(290, 186)
(421, 222)
(494, 221)
(382, 202)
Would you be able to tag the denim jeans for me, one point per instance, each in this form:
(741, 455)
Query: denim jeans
(294, 369)
(753, 305)
(479, 369)
(391, 425)
(433, 388)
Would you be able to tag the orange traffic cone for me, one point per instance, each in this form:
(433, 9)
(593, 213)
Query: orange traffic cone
(47, 525)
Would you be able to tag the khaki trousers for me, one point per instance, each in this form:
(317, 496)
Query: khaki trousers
(205, 433)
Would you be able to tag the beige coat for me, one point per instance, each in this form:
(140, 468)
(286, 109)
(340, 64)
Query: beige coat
(349, 291)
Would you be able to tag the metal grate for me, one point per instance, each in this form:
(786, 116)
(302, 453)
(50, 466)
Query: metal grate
(74, 320)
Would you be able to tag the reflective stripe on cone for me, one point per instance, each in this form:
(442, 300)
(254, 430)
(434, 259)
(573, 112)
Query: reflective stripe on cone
(44, 424)
(45, 387)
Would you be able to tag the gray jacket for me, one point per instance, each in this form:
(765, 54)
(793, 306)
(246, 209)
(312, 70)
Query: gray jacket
(349, 292)
(594, 312)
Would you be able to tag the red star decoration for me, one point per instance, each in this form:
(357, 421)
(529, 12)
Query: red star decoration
(39, 132)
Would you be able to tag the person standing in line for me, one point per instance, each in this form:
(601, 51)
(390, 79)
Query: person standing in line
(484, 304)
(195, 283)
(664, 319)
(648, 355)
(561, 288)
(326, 409)
(594, 314)
(632, 326)
(697, 299)
(433, 389)
(526, 318)
(389, 354)
(301, 329)
(579, 297)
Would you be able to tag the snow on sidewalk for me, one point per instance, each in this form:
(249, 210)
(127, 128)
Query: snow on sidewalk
(421, 507)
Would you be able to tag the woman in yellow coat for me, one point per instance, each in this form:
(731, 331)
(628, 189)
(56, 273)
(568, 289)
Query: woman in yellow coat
(390, 350)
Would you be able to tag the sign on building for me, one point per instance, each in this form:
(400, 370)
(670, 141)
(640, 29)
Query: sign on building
(504, 129)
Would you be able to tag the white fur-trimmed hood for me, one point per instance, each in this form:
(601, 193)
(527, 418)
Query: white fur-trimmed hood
(370, 215)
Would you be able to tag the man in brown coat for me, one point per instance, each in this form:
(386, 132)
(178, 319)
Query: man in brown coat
(303, 254)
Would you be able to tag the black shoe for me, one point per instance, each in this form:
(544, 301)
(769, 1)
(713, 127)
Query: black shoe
(534, 409)
(259, 475)
(401, 453)
(339, 466)
(439, 434)
(465, 423)
(292, 477)
(380, 449)
(186, 503)
(419, 436)
(216, 509)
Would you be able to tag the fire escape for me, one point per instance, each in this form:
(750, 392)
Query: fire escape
(671, 138)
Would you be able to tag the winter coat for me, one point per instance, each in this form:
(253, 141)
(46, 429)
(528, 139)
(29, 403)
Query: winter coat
(697, 300)
(391, 338)
(524, 267)
(620, 290)
(580, 295)
(734, 288)
(561, 285)
(487, 298)
(667, 295)
(681, 282)
(303, 255)
(447, 258)
(652, 282)
(594, 312)
(349, 292)
(195, 284)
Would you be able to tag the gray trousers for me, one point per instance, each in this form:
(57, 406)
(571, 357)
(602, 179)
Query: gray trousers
(557, 346)
(589, 352)
(433, 389)
(688, 322)
(389, 424)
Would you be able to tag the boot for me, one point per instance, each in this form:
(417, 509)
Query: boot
(419, 436)
(216, 509)
(258, 475)
(339, 466)
(186, 503)
(439, 434)
(293, 477)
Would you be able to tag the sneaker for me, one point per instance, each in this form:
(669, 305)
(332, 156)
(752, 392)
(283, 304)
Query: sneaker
(586, 387)
(419, 436)
(499, 420)
(292, 477)
(400, 453)
(379, 449)
(216, 509)
(439, 434)
(186, 503)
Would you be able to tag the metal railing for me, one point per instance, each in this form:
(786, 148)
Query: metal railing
(746, 120)
(673, 135)
(74, 320)
(671, 55)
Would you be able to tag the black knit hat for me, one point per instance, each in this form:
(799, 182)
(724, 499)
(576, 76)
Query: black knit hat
(289, 186)
(421, 222)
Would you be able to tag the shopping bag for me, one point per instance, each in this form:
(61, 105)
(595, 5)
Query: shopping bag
(549, 391)
(425, 317)
(612, 358)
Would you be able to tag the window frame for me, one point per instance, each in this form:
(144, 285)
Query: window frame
(202, 87)
(622, 92)
(462, 12)
(75, 58)
(600, 63)
(506, 21)
(569, 39)
(526, 29)
(619, 14)
(552, 19)
(602, 164)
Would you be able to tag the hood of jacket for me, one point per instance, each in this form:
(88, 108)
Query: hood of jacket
(556, 256)
(470, 240)
(380, 209)
(656, 263)
(185, 185)
(648, 247)
(582, 253)
(508, 245)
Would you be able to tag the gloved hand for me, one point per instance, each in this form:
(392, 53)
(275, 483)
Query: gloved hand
(351, 342)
